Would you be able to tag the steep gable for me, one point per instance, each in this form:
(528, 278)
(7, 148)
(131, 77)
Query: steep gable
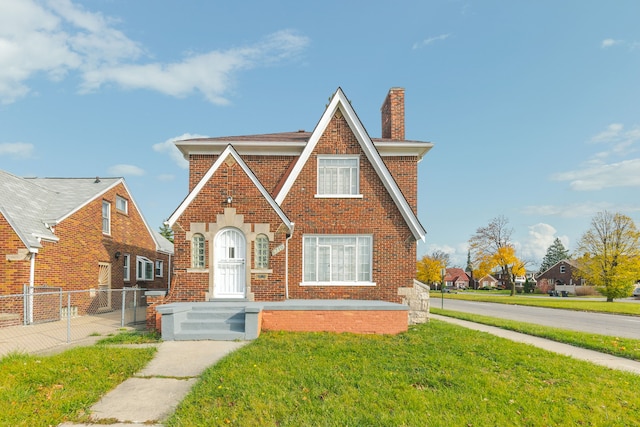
(340, 106)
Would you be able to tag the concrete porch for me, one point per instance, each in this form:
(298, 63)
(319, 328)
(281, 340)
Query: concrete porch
(229, 320)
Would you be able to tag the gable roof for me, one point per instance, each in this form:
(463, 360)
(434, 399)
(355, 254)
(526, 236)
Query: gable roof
(340, 101)
(570, 262)
(33, 206)
(455, 274)
(229, 151)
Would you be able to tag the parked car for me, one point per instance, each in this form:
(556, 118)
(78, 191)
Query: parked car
(636, 292)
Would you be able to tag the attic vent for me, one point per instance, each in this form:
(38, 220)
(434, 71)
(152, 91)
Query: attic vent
(300, 130)
(97, 180)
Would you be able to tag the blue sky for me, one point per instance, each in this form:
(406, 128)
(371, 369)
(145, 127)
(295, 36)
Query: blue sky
(533, 107)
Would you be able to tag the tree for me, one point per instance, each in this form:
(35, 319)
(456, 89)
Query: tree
(491, 248)
(609, 254)
(167, 232)
(429, 267)
(555, 253)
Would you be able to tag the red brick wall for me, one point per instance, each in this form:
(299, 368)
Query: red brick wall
(359, 322)
(13, 274)
(394, 249)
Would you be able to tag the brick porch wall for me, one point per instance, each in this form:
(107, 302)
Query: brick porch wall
(358, 321)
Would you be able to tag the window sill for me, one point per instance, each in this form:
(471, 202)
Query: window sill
(261, 271)
(338, 196)
(338, 284)
(197, 270)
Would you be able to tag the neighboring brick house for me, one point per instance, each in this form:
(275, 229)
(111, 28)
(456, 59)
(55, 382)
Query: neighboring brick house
(488, 282)
(328, 214)
(76, 234)
(456, 278)
(561, 273)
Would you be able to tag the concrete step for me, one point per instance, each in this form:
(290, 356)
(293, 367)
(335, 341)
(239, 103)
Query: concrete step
(209, 335)
(222, 322)
(212, 324)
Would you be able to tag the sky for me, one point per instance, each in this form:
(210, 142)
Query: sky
(533, 107)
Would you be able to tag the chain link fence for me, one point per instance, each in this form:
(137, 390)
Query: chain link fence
(68, 315)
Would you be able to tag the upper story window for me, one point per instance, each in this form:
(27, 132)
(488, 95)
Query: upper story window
(127, 267)
(122, 204)
(197, 251)
(337, 259)
(106, 217)
(144, 268)
(563, 269)
(159, 267)
(338, 176)
(261, 251)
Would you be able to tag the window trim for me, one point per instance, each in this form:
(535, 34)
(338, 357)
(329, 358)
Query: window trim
(353, 195)
(356, 256)
(261, 253)
(122, 200)
(106, 227)
(159, 268)
(139, 271)
(126, 260)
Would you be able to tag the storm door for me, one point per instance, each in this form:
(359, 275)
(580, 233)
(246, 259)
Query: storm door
(230, 272)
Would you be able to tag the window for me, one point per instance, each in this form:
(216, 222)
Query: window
(338, 176)
(127, 267)
(144, 268)
(159, 268)
(122, 204)
(197, 251)
(261, 251)
(562, 269)
(337, 258)
(106, 217)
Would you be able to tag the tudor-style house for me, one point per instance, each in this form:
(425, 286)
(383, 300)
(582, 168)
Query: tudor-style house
(75, 234)
(327, 214)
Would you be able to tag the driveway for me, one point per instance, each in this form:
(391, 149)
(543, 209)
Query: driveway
(597, 323)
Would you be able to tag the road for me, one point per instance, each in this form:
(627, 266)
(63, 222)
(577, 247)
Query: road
(597, 323)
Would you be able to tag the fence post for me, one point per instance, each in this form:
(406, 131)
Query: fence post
(135, 306)
(124, 295)
(68, 317)
(25, 307)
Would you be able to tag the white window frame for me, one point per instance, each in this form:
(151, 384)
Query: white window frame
(261, 252)
(106, 217)
(144, 268)
(337, 249)
(122, 204)
(198, 255)
(127, 267)
(331, 175)
(159, 268)
(563, 269)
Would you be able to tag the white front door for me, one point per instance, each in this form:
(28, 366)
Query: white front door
(230, 272)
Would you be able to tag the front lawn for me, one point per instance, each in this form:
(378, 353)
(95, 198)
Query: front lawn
(437, 374)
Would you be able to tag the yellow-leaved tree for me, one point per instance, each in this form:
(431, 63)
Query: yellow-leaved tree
(429, 267)
(609, 254)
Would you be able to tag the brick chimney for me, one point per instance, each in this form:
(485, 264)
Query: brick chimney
(393, 115)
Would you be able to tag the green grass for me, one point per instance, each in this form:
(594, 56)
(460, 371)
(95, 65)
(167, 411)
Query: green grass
(579, 304)
(621, 347)
(436, 374)
(42, 391)
(132, 337)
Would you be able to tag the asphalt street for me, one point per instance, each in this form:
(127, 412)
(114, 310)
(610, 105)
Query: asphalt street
(597, 323)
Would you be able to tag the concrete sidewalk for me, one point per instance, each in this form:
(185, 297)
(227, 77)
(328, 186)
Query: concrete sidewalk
(602, 359)
(152, 394)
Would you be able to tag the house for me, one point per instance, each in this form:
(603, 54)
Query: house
(327, 215)
(562, 273)
(75, 234)
(488, 282)
(456, 278)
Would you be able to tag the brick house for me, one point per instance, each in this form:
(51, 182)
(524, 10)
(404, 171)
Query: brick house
(562, 273)
(456, 278)
(76, 234)
(324, 215)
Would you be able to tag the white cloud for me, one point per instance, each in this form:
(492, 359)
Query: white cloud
(165, 177)
(16, 149)
(170, 148)
(540, 237)
(57, 37)
(126, 170)
(609, 42)
(622, 174)
(430, 40)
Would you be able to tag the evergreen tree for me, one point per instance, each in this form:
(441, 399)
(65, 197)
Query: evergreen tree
(166, 232)
(555, 253)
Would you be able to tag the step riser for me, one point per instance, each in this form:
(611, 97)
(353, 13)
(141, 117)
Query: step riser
(220, 323)
(214, 316)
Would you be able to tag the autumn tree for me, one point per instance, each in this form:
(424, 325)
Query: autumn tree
(609, 254)
(429, 267)
(555, 253)
(167, 232)
(491, 248)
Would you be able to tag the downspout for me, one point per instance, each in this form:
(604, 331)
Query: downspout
(286, 261)
(169, 274)
(32, 280)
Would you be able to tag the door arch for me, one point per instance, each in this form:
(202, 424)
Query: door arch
(229, 264)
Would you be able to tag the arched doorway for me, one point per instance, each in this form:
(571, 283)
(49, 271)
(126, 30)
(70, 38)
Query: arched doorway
(229, 258)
